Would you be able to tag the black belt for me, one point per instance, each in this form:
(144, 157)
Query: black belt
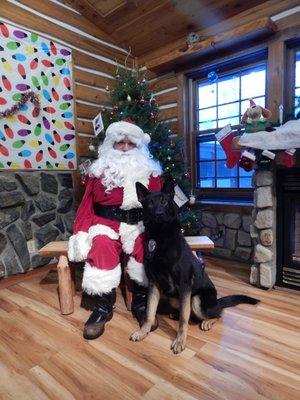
(131, 217)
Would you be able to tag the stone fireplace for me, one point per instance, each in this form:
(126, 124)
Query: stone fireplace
(275, 228)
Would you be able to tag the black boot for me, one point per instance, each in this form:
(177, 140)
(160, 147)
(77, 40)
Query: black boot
(139, 305)
(103, 312)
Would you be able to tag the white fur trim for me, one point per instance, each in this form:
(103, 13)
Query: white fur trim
(128, 234)
(286, 136)
(97, 281)
(100, 229)
(136, 271)
(117, 131)
(223, 133)
(78, 246)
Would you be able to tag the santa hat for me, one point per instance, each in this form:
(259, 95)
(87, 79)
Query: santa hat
(117, 131)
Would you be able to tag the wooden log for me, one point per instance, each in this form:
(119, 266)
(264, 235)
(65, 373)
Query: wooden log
(65, 286)
(233, 37)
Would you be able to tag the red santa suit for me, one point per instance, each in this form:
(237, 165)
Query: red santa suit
(100, 241)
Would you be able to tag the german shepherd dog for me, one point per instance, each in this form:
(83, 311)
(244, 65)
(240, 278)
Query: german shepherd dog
(174, 271)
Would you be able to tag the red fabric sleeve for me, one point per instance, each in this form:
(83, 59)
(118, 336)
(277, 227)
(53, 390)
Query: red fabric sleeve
(85, 212)
(155, 184)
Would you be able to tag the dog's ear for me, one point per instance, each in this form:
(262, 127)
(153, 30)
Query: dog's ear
(168, 186)
(141, 191)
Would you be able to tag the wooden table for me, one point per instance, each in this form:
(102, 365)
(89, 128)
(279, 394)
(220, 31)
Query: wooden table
(66, 276)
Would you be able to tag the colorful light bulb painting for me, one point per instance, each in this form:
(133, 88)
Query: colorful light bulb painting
(31, 138)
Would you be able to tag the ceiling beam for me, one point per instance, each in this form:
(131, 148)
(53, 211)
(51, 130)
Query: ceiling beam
(256, 29)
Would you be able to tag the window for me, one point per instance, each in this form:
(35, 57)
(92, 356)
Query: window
(292, 80)
(297, 85)
(218, 104)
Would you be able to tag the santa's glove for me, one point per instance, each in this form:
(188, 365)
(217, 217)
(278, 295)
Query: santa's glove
(289, 158)
(247, 161)
(224, 137)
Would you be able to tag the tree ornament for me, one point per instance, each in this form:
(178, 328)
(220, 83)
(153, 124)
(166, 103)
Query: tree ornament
(129, 97)
(116, 109)
(92, 147)
(152, 117)
(192, 199)
(212, 76)
(107, 88)
(142, 101)
(152, 100)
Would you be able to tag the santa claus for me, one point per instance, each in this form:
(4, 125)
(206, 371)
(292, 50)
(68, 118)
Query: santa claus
(109, 222)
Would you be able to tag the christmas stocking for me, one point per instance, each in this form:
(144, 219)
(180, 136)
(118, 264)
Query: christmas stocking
(224, 137)
(289, 158)
(265, 159)
(247, 161)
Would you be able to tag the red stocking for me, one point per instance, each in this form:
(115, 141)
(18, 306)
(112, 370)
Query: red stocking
(247, 161)
(289, 158)
(224, 137)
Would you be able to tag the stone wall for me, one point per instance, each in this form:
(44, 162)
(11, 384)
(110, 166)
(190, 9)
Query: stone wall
(263, 230)
(235, 241)
(35, 208)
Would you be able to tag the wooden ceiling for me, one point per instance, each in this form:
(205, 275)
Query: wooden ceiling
(146, 25)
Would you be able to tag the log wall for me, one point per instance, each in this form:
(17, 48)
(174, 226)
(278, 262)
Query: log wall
(95, 54)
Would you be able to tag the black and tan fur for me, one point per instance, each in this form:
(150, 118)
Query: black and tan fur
(174, 271)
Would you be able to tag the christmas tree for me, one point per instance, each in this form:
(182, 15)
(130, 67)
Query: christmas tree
(132, 100)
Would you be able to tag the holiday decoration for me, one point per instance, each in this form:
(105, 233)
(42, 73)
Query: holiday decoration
(247, 161)
(17, 106)
(212, 76)
(132, 101)
(225, 137)
(256, 118)
(283, 137)
(36, 102)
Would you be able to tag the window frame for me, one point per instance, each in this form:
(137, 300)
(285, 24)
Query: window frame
(292, 47)
(227, 67)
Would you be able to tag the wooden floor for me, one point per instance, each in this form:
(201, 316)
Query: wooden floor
(252, 353)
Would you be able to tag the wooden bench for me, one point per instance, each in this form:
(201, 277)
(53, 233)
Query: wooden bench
(66, 272)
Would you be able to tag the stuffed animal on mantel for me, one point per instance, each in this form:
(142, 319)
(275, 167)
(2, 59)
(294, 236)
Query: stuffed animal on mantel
(256, 118)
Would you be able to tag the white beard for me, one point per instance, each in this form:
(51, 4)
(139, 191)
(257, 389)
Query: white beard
(119, 169)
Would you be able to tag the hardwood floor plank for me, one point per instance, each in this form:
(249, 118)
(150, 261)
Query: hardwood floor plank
(51, 387)
(251, 353)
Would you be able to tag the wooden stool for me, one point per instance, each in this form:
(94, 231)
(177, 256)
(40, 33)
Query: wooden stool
(66, 272)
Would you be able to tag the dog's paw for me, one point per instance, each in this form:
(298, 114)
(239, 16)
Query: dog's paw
(137, 336)
(206, 325)
(178, 345)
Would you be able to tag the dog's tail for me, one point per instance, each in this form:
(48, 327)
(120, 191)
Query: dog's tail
(231, 301)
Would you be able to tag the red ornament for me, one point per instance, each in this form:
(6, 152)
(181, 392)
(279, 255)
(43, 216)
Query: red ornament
(116, 109)
(152, 117)
(129, 119)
